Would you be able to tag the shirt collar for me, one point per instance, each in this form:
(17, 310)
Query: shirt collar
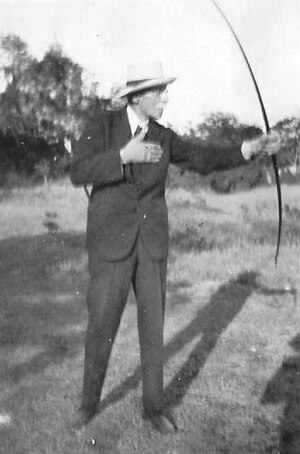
(135, 121)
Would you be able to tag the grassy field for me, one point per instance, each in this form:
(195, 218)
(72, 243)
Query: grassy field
(232, 336)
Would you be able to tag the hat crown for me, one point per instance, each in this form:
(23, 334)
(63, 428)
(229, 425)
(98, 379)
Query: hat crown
(144, 76)
(144, 71)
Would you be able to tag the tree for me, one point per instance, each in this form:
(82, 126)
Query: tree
(223, 127)
(44, 102)
(44, 98)
(289, 130)
(17, 67)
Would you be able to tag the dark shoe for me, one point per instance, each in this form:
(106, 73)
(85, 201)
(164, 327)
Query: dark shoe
(83, 417)
(162, 422)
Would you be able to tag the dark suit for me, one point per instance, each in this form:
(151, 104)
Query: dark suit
(127, 240)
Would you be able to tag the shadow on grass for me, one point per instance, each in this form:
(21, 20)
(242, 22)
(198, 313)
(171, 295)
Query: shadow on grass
(209, 323)
(42, 316)
(37, 253)
(54, 352)
(284, 388)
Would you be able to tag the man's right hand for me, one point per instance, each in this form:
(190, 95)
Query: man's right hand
(137, 151)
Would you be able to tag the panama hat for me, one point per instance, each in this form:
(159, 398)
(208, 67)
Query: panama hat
(143, 76)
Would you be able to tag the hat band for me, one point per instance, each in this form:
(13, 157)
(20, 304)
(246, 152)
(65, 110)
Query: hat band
(134, 82)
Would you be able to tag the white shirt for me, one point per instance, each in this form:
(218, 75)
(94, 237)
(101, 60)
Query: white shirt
(135, 121)
(250, 148)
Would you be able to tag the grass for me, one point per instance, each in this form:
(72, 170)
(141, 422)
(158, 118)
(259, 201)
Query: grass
(232, 346)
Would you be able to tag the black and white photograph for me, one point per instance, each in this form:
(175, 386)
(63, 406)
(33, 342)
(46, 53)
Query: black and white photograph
(149, 226)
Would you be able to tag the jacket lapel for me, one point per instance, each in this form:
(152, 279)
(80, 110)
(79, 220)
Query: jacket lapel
(153, 134)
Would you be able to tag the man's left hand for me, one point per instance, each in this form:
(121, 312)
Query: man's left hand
(266, 144)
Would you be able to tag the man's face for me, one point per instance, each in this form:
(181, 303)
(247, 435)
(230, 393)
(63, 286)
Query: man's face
(152, 102)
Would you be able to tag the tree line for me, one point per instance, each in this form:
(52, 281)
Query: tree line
(46, 102)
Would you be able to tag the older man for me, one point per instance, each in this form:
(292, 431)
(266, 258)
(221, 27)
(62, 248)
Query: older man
(125, 156)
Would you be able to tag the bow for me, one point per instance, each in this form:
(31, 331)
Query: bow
(267, 128)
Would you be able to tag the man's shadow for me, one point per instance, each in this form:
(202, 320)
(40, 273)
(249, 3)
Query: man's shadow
(209, 323)
(284, 388)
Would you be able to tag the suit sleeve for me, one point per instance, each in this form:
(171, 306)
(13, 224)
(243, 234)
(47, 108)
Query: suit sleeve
(204, 157)
(92, 162)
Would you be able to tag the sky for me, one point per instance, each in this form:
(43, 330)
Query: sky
(191, 40)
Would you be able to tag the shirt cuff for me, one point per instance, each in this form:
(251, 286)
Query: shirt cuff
(250, 148)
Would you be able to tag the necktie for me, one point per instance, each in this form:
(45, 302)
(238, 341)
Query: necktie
(137, 131)
(130, 169)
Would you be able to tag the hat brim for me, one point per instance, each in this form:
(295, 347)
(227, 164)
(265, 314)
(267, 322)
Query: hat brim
(140, 86)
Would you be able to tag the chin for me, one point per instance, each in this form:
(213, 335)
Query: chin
(157, 115)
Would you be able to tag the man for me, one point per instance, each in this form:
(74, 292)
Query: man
(125, 155)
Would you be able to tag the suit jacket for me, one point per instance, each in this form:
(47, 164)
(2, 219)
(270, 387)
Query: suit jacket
(120, 209)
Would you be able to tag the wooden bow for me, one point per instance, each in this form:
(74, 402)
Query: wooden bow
(267, 128)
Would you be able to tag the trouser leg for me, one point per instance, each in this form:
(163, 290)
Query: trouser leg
(150, 287)
(107, 295)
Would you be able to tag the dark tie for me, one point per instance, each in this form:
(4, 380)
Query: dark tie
(137, 131)
(131, 169)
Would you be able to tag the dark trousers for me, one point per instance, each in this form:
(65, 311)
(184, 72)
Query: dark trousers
(109, 287)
